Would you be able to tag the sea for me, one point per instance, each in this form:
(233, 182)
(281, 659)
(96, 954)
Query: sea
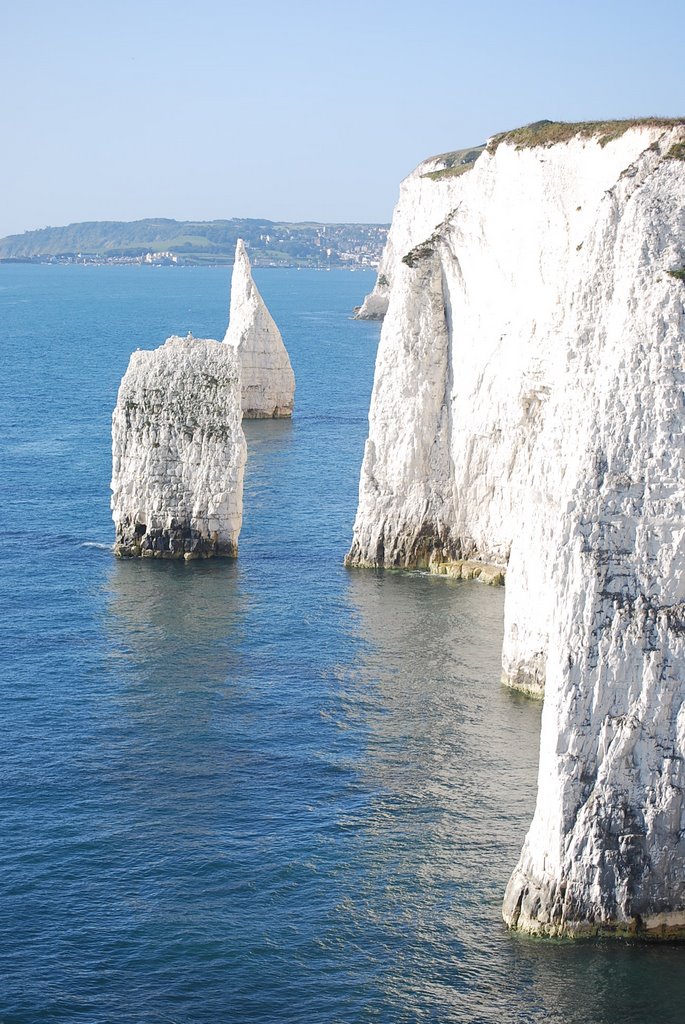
(269, 790)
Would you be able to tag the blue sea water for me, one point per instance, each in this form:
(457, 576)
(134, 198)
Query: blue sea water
(263, 791)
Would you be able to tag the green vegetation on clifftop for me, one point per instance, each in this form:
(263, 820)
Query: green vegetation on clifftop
(547, 133)
(454, 163)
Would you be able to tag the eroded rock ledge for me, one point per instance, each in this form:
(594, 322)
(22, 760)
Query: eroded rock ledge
(465, 569)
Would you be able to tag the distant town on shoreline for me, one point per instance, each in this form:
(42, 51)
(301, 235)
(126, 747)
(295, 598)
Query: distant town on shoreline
(161, 242)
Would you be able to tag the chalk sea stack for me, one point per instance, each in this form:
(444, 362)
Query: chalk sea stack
(528, 411)
(178, 452)
(268, 382)
(178, 448)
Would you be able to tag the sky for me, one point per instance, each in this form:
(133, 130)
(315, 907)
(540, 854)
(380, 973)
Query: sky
(203, 109)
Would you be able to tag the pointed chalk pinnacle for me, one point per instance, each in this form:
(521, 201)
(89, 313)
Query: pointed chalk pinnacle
(268, 382)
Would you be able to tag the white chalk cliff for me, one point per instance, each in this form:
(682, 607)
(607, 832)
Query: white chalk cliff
(178, 452)
(529, 410)
(268, 382)
(425, 195)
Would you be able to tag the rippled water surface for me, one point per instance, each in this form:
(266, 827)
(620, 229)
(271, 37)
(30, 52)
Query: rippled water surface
(267, 791)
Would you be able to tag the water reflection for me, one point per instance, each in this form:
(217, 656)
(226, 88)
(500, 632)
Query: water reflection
(443, 731)
(266, 438)
(603, 981)
(451, 762)
(170, 622)
(175, 650)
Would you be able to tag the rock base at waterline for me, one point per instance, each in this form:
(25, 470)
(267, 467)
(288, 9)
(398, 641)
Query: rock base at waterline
(555, 911)
(178, 540)
(466, 569)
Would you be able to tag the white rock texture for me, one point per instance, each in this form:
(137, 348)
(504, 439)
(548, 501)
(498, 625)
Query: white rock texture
(529, 409)
(268, 381)
(426, 196)
(178, 452)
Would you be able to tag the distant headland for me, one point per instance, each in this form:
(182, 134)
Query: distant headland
(200, 243)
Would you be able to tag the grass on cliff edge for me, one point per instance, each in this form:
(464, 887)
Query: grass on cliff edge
(676, 152)
(547, 133)
(455, 163)
(447, 172)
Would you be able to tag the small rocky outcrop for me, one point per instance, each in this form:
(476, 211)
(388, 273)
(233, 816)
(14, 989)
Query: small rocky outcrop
(268, 381)
(178, 452)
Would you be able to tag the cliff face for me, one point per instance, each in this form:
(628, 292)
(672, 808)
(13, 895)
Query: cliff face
(528, 408)
(268, 381)
(178, 452)
(426, 196)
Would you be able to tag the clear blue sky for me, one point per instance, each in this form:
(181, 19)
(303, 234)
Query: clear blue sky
(302, 110)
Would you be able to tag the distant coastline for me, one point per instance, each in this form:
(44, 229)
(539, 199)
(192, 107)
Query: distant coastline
(163, 242)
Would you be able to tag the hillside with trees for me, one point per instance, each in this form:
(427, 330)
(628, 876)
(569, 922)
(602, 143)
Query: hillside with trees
(269, 243)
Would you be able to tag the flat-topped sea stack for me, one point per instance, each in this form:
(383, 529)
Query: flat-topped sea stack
(528, 411)
(268, 381)
(178, 452)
